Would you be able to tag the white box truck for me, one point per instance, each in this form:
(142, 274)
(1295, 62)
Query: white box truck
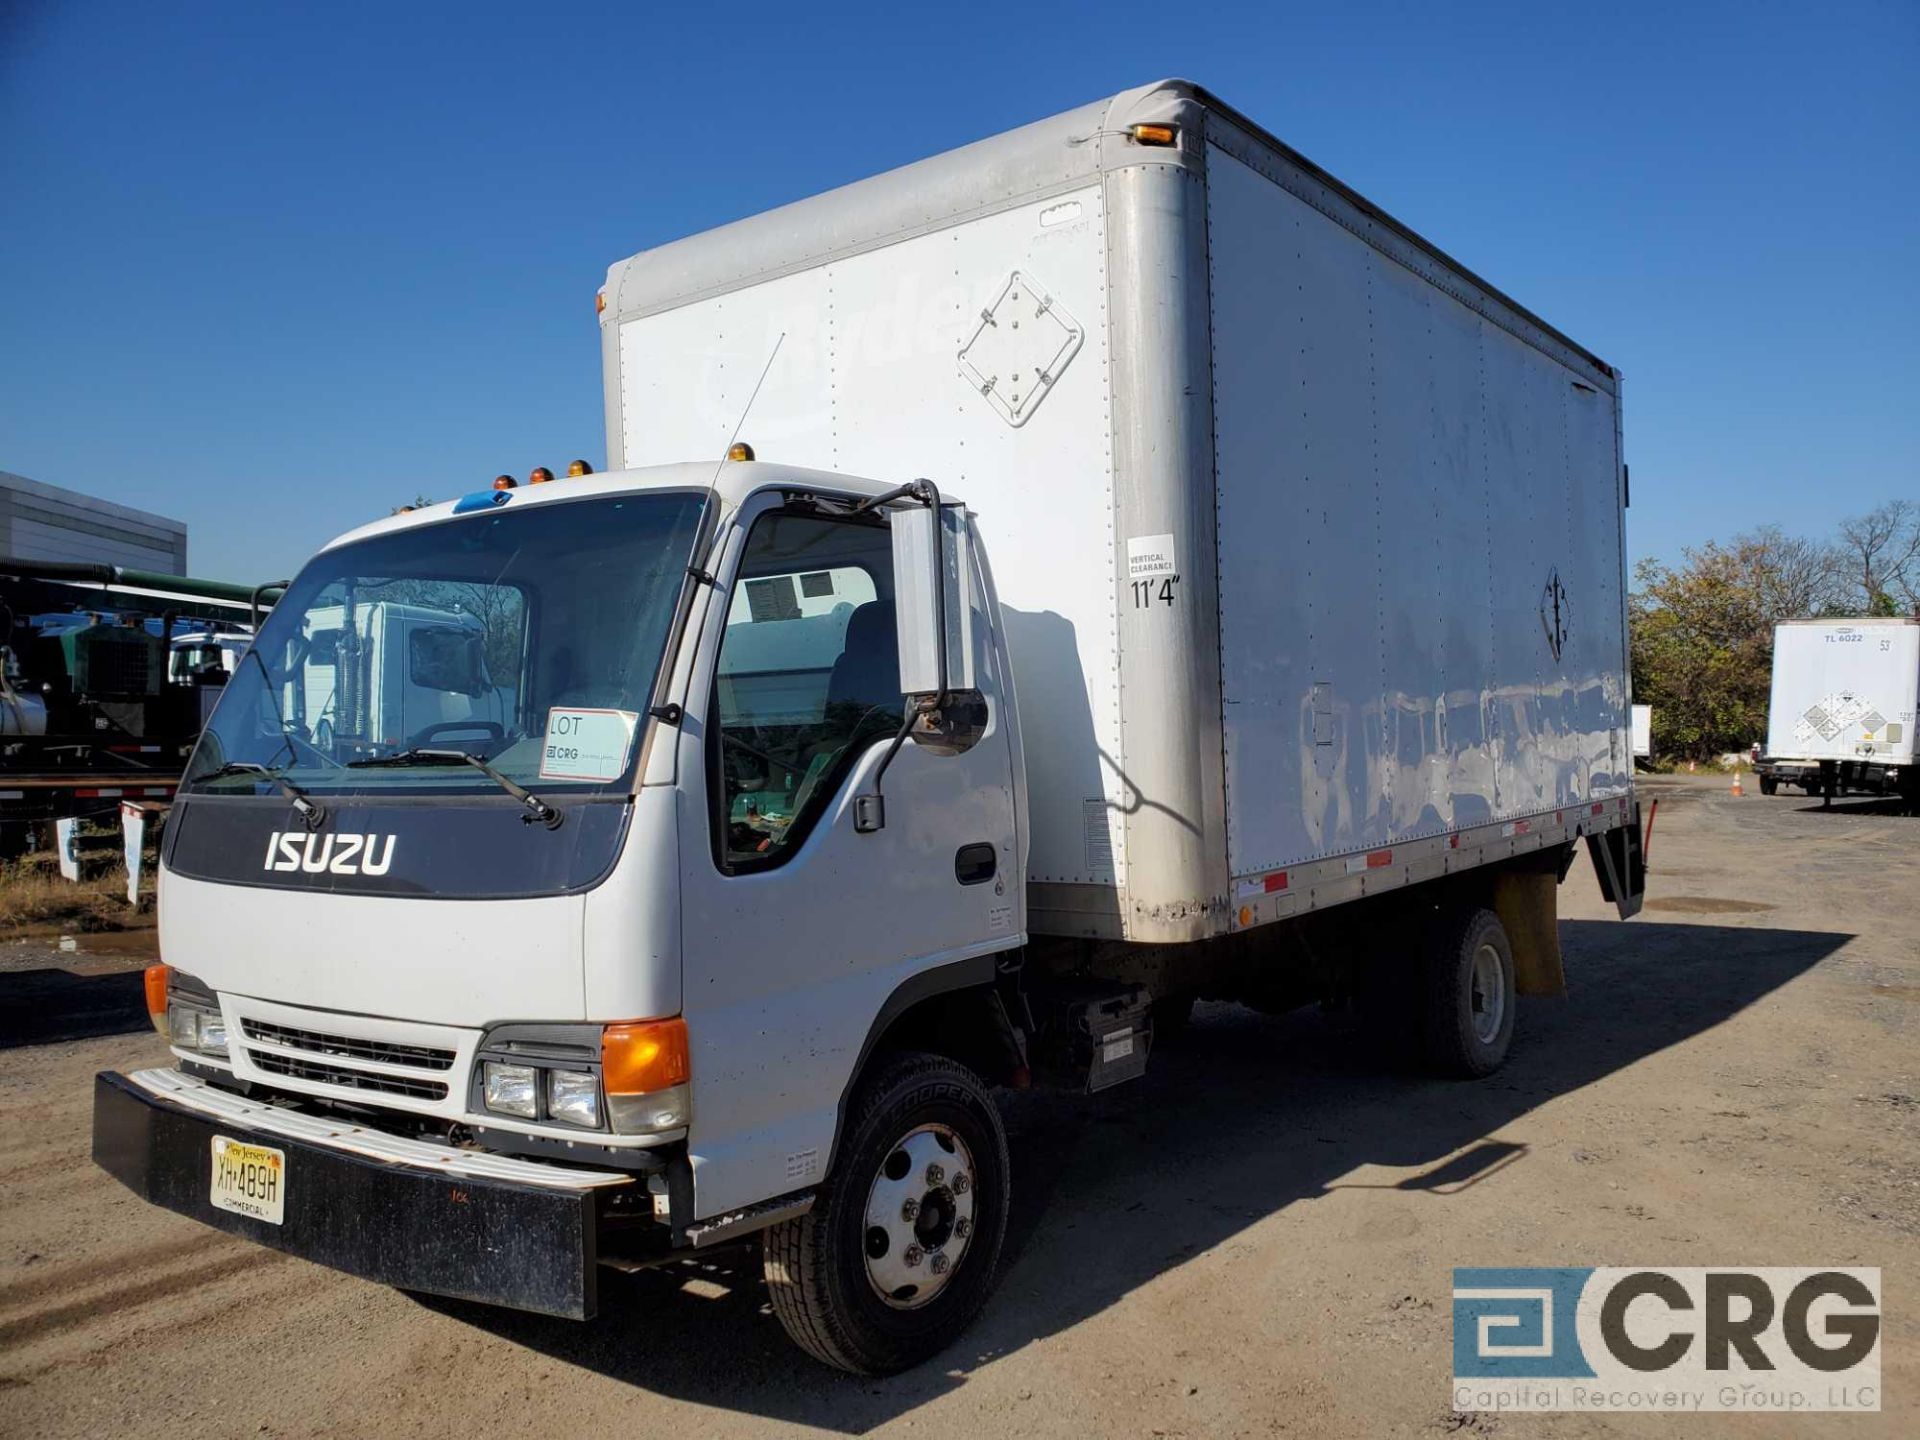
(1840, 716)
(1643, 732)
(1299, 672)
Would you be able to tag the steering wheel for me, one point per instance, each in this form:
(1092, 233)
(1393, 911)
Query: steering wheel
(491, 728)
(728, 738)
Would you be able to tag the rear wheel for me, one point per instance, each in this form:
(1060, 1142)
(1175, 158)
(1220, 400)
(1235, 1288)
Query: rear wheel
(1469, 1011)
(899, 1251)
(1768, 785)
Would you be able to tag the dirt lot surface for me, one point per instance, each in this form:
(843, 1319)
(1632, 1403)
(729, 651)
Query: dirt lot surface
(1257, 1239)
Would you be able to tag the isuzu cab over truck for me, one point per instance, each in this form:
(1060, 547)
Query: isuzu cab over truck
(1299, 672)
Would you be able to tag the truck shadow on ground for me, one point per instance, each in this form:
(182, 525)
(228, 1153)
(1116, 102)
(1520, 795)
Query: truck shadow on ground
(1851, 806)
(1250, 1115)
(41, 1006)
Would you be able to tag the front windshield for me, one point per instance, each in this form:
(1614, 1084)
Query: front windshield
(528, 636)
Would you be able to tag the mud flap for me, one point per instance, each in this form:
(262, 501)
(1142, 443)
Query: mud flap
(1526, 905)
(1620, 865)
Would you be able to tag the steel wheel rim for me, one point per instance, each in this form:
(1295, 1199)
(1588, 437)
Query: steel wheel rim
(1488, 994)
(919, 1219)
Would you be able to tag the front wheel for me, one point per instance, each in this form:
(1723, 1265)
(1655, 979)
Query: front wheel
(899, 1251)
(1768, 785)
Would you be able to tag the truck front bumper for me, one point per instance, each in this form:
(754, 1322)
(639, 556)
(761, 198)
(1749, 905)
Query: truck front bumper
(403, 1212)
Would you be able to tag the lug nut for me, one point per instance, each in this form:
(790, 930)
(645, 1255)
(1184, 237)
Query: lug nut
(962, 1226)
(935, 1174)
(940, 1264)
(961, 1182)
(909, 1208)
(913, 1255)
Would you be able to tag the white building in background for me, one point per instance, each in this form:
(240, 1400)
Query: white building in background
(45, 522)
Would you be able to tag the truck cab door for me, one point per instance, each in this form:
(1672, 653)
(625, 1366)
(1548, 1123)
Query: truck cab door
(799, 932)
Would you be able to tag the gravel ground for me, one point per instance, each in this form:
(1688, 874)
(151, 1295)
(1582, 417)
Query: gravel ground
(1256, 1239)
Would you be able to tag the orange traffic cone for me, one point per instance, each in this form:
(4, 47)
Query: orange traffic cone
(1736, 782)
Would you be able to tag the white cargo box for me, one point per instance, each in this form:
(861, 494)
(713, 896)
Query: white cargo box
(1844, 690)
(1643, 731)
(1308, 540)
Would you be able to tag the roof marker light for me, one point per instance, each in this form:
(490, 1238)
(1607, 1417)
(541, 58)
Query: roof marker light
(481, 500)
(1155, 135)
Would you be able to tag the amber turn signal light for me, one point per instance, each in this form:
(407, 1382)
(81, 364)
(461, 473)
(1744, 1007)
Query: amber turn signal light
(1155, 135)
(157, 977)
(648, 1055)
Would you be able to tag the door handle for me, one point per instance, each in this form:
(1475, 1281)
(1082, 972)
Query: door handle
(975, 864)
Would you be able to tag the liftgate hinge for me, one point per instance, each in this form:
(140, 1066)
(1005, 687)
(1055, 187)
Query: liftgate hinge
(668, 714)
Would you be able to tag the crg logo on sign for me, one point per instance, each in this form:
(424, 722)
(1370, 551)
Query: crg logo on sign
(1678, 1338)
(329, 854)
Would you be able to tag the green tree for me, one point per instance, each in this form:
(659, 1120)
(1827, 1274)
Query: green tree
(1703, 640)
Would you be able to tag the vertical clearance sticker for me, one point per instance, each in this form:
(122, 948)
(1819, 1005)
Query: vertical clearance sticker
(1151, 555)
(1153, 571)
(587, 744)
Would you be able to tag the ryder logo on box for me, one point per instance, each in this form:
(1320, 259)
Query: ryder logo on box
(1682, 1338)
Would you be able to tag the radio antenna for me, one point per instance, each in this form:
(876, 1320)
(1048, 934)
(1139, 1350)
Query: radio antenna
(765, 370)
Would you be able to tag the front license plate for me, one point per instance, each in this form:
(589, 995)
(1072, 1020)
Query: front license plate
(249, 1179)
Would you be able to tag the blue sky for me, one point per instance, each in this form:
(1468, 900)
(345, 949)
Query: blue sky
(273, 269)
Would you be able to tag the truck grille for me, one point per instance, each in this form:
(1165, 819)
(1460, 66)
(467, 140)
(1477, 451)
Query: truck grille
(347, 1047)
(346, 1079)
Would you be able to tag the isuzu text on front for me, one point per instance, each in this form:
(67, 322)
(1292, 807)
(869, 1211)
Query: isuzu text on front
(743, 826)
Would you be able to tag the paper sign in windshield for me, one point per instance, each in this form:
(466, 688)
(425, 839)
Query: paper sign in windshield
(587, 744)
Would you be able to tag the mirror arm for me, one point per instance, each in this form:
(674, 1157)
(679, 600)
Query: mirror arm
(870, 811)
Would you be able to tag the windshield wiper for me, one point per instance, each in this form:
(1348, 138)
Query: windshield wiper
(310, 813)
(537, 808)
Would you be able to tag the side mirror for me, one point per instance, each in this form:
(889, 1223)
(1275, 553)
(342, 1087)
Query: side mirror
(933, 599)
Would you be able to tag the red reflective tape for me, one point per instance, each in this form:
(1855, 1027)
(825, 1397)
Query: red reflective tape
(97, 794)
(1520, 827)
(1598, 806)
(1378, 858)
(1275, 881)
(1453, 841)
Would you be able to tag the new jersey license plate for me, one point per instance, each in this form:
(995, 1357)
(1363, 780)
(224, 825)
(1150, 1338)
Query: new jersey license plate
(249, 1179)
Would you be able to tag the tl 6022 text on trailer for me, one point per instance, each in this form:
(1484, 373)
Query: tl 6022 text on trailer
(793, 825)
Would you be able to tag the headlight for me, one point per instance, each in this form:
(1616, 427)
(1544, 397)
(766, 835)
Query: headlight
(188, 1015)
(213, 1034)
(512, 1089)
(574, 1096)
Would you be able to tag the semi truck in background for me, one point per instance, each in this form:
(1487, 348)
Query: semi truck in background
(106, 675)
(1841, 712)
(1163, 576)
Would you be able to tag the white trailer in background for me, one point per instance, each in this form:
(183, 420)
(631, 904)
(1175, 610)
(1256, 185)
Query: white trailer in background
(1642, 732)
(1841, 714)
(1299, 673)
